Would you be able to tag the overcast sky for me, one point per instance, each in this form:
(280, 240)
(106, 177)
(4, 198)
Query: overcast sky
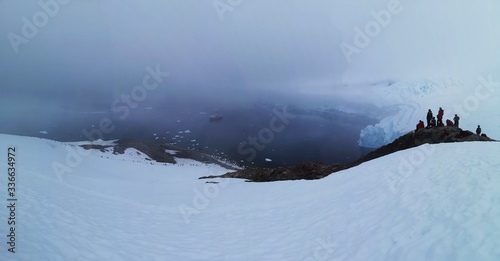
(97, 50)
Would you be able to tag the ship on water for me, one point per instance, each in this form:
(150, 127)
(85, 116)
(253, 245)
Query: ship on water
(215, 117)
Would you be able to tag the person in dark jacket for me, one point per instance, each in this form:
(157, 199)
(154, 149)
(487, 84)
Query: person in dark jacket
(478, 130)
(456, 120)
(440, 116)
(433, 122)
(429, 118)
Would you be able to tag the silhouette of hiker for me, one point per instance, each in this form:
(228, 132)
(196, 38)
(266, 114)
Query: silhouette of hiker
(429, 118)
(449, 123)
(433, 122)
(456, 120)
(478, 130)
(440, 116)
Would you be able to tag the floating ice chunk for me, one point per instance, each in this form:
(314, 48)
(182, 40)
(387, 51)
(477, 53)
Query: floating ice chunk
(171, 152)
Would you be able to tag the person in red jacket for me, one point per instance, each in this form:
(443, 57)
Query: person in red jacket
(420, 125)
(449, 123)
(440, 116)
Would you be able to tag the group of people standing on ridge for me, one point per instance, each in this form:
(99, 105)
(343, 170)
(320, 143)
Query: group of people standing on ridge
(431, 120)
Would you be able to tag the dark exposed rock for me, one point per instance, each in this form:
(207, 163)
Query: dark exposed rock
(102, 148)
(154, 151)
(430, 136)
(306, 170)
(157, 151)
(315, 170)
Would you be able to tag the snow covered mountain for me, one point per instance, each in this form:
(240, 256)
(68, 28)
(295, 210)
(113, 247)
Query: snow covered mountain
(433, 202)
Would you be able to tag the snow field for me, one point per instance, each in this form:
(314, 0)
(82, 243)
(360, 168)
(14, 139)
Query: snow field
(443, 208)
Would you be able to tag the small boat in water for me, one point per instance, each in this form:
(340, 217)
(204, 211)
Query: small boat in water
(215, 117)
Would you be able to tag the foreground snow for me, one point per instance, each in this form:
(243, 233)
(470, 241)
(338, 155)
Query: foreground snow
(429, 203)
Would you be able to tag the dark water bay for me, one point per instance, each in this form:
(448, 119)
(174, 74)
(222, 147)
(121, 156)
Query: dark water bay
(326, 136)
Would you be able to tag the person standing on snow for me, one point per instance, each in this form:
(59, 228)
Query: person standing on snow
(478, 130)
(456, 120)
(429, 117)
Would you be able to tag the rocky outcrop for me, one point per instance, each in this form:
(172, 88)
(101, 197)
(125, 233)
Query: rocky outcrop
(315, 170)
(307, 170)
(157, 151)
(424, 136)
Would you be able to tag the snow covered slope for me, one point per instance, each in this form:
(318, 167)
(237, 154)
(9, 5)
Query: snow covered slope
(435, 202)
